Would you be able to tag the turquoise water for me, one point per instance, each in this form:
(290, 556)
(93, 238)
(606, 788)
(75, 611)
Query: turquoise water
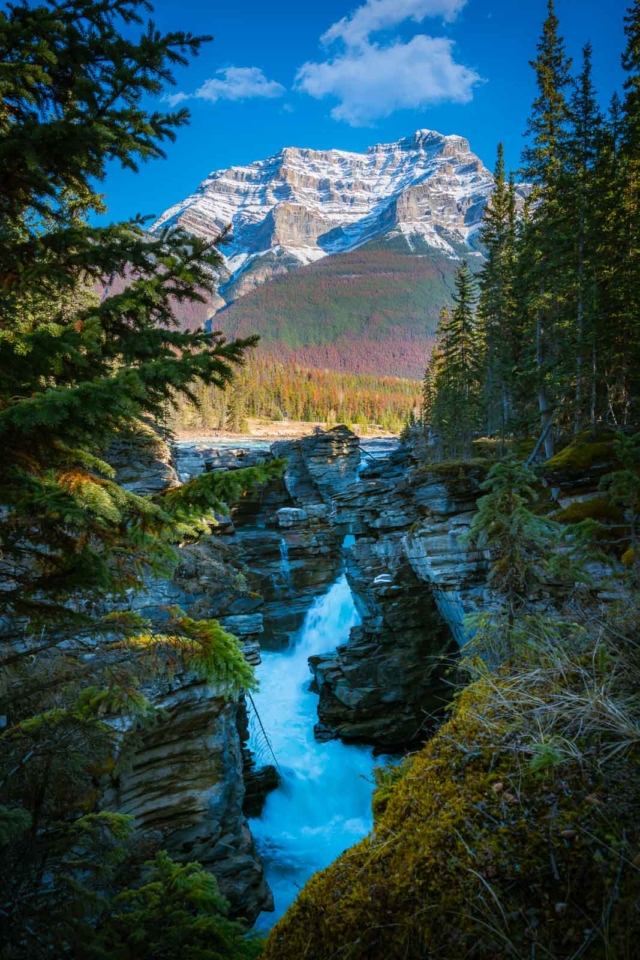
(323, 805)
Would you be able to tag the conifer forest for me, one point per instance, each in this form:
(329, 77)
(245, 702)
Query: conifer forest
(369, 688)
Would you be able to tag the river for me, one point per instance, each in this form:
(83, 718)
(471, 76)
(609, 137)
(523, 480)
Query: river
(323, 803)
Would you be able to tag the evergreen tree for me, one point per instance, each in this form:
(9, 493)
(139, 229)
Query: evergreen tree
(608, 361)
(457, 411)
(76, 374)
(584, 143)
(629, 232)
(549, 239)
(496, 309)
(236, 421)
(518, 543)
(429, 391)
(177, 911)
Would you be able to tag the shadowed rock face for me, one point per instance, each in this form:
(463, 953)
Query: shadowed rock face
(413, 582)
(384, 684)
(182, 779)
(183, 783)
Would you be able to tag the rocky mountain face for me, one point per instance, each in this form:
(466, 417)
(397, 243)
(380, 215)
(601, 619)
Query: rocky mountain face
(359, 248)
(302, 205)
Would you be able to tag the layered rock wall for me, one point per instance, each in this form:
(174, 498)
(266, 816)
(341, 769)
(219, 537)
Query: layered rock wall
(413, 578)
(183, 784)
(182, 778)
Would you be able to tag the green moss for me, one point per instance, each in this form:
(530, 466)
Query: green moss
(454, 468)
(583, 453)
(387, 779)
(597, 508)
(476, 855)
(492, 448)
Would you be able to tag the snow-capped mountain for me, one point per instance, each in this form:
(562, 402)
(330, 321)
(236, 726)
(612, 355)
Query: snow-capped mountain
(302, 205)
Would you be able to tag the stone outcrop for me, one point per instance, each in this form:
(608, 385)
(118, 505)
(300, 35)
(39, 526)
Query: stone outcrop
(321, 466)
(446, 499)
(193, 458)
(383, 686)
(142, 461)
(182, 778)
(413, 581)
(182, 781)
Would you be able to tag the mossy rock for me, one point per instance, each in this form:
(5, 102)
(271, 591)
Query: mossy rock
(454, 468)
(584, 453)
(477, 855)
(491, 448)
(597, 508)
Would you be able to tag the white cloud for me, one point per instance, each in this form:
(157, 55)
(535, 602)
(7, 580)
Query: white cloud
(375, 15)
(232, 83)
(372, 81)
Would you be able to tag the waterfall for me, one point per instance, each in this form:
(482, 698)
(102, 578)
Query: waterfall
(285, 566)
(323, 805)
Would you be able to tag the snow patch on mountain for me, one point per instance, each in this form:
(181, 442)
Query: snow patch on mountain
(302, 205)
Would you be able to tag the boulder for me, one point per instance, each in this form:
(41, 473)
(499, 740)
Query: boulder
(291, 517)
(182, 782)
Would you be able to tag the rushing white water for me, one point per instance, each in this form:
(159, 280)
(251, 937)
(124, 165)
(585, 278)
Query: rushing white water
(323, 805)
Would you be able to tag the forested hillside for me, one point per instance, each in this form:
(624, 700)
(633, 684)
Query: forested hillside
(371, 311)
(276, 390)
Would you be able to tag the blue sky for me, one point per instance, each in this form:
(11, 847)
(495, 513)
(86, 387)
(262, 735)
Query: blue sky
(341, 74)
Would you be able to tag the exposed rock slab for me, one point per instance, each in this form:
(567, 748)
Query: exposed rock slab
(386, 684)
(183, 781)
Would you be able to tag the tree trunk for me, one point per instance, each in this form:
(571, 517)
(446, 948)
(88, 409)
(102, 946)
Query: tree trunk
(543, 400)
(580, 345)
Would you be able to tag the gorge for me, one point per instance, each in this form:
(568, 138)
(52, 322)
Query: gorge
(353, 582)
(316, 574)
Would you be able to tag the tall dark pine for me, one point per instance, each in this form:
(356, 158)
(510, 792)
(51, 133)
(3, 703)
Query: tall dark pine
(457, 411)
(497, 302)
(549, 241)
(584, 145)
(630, 215)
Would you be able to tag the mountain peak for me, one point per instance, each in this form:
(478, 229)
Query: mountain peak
(302, 204)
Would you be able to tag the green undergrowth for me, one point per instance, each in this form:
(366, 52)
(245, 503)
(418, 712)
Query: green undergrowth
(460, 476)
(584, 453)
(513, 833)
(596, 508)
